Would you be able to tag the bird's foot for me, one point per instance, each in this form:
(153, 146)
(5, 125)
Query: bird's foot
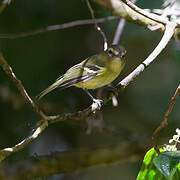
(97, 103)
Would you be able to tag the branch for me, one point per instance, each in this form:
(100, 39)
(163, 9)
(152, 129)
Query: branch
(57, 27)
(119, 30)
(164, 123)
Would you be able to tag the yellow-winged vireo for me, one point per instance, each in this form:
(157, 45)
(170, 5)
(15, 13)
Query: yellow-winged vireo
(94, 72)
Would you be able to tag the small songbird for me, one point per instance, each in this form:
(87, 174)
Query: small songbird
(94, 72)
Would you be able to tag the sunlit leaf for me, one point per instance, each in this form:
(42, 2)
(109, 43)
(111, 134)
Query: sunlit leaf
(148, 170)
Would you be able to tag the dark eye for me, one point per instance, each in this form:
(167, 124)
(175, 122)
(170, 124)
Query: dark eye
(110, 53)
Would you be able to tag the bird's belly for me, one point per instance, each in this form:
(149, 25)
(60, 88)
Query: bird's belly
(97, 82)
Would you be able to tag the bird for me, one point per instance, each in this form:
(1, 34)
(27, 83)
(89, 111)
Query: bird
(94, 72)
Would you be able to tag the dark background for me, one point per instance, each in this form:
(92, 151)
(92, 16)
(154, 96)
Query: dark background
(38, 60)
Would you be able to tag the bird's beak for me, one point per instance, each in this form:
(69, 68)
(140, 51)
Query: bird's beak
(122, 54)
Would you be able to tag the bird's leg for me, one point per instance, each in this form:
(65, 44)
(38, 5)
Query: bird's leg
(113, 89)
(97, 102)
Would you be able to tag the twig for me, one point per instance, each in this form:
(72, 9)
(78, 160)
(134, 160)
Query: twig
(165, 119)
(170, 27)
(57, 27)
(119, 31)
(96, 25)
(8, 70)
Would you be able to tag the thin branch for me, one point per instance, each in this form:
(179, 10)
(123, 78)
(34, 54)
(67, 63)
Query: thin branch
(119, 31)
(165, 120)
(57, 27)
(96, 25)
(9, 72)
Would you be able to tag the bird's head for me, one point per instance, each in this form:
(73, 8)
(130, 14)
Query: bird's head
(115, 58)
(116, 51)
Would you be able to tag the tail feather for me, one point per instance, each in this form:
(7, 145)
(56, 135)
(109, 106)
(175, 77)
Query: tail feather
(49, 89)
(65, 83)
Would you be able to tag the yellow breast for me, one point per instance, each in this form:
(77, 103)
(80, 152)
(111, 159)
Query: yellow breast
(98, 81)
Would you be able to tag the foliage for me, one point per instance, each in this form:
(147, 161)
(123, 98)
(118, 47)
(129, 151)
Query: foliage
(158, 167)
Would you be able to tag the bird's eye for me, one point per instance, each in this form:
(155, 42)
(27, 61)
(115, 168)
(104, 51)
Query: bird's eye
(110, 52)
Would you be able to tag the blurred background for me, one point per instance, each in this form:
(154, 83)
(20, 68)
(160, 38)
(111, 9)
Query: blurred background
(40, 59)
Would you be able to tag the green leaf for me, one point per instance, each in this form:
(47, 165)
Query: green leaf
(148, 170)
(167, 163)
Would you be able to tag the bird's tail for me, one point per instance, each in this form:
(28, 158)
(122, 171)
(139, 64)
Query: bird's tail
(50, 88)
